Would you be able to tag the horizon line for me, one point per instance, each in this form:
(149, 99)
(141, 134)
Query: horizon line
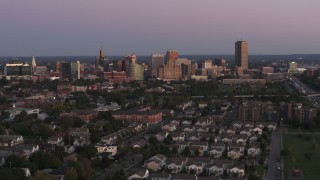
(160, 53)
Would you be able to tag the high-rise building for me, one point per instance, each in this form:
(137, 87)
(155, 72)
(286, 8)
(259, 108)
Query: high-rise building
(241, 54)
(102, 60)
(156, 60)
(135, 71)
(250, 111)
(221, 62)
(293, 67)
(70, 70)
(117, 65)
(132, 58)
(170, 70)
(17, 68)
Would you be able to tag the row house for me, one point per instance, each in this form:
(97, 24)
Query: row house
(216, 152)
(270, 125)
(175, 122)
(193, 137)
(237, 171)
(202, 147)
(55, 140)
(246, 131)
(25, 151)
(178, 136)
(234, 153)
(169, 127)
(176, 164)
(241, 139)
(186, 123)
(110, 139)
(204, 121)
(105, 148)
(156, 162)
(254, 150)
(139, 115)
(10, 140)
(77, 132)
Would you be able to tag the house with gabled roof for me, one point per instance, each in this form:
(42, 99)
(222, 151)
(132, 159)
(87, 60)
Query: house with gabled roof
(178, 136)
(234, 153)
(254, 150)
(241, 139)
(237, 124)
(169, 127)
(216, 152)
(141, 174)
(176, 164)
(249, 125)
(193, 137)
(237, 171)
(216, 170)
(246, 131)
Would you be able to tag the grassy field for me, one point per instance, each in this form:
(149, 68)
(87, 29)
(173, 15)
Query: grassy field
(304, 154)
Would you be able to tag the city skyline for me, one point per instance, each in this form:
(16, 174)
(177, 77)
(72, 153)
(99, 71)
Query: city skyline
(63, 28)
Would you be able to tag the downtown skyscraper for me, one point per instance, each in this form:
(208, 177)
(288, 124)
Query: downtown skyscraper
(241, 54)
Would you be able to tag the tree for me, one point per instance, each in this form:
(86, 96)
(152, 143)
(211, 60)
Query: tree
(41, 175)
(174, 150)
(196, 152)
(186, 152)
(13, 161)
(71, 174)
(43, 130)
(45, 160)
(168, 139)
(88, 151)
(6, 174)
(84, 168)
(59, 151)
(153, 140)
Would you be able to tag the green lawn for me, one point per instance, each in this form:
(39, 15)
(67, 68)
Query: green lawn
(298, 147)
(296, 130)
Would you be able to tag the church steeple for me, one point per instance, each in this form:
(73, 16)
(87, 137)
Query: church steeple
(33, 64)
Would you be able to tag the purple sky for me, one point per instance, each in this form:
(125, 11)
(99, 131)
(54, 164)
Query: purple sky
(79, 27)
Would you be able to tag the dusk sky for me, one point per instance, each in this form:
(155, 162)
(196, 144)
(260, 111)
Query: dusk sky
(79, 27)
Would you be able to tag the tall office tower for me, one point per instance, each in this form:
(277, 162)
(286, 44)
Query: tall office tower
(221, 62)
(171, 56)
(156, 60)
(117, 65)
(207, 64)
(132, 58)
(70, 70)
(102, 60)
(170, 70)
(241, 54)
(33, 65)
(181, 61)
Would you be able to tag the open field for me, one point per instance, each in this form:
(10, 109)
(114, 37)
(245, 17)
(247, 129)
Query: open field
(304, 154)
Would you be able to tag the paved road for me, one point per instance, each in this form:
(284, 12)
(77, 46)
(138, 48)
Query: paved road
(274, 157)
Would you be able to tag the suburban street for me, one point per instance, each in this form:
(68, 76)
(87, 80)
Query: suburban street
(274, 157)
